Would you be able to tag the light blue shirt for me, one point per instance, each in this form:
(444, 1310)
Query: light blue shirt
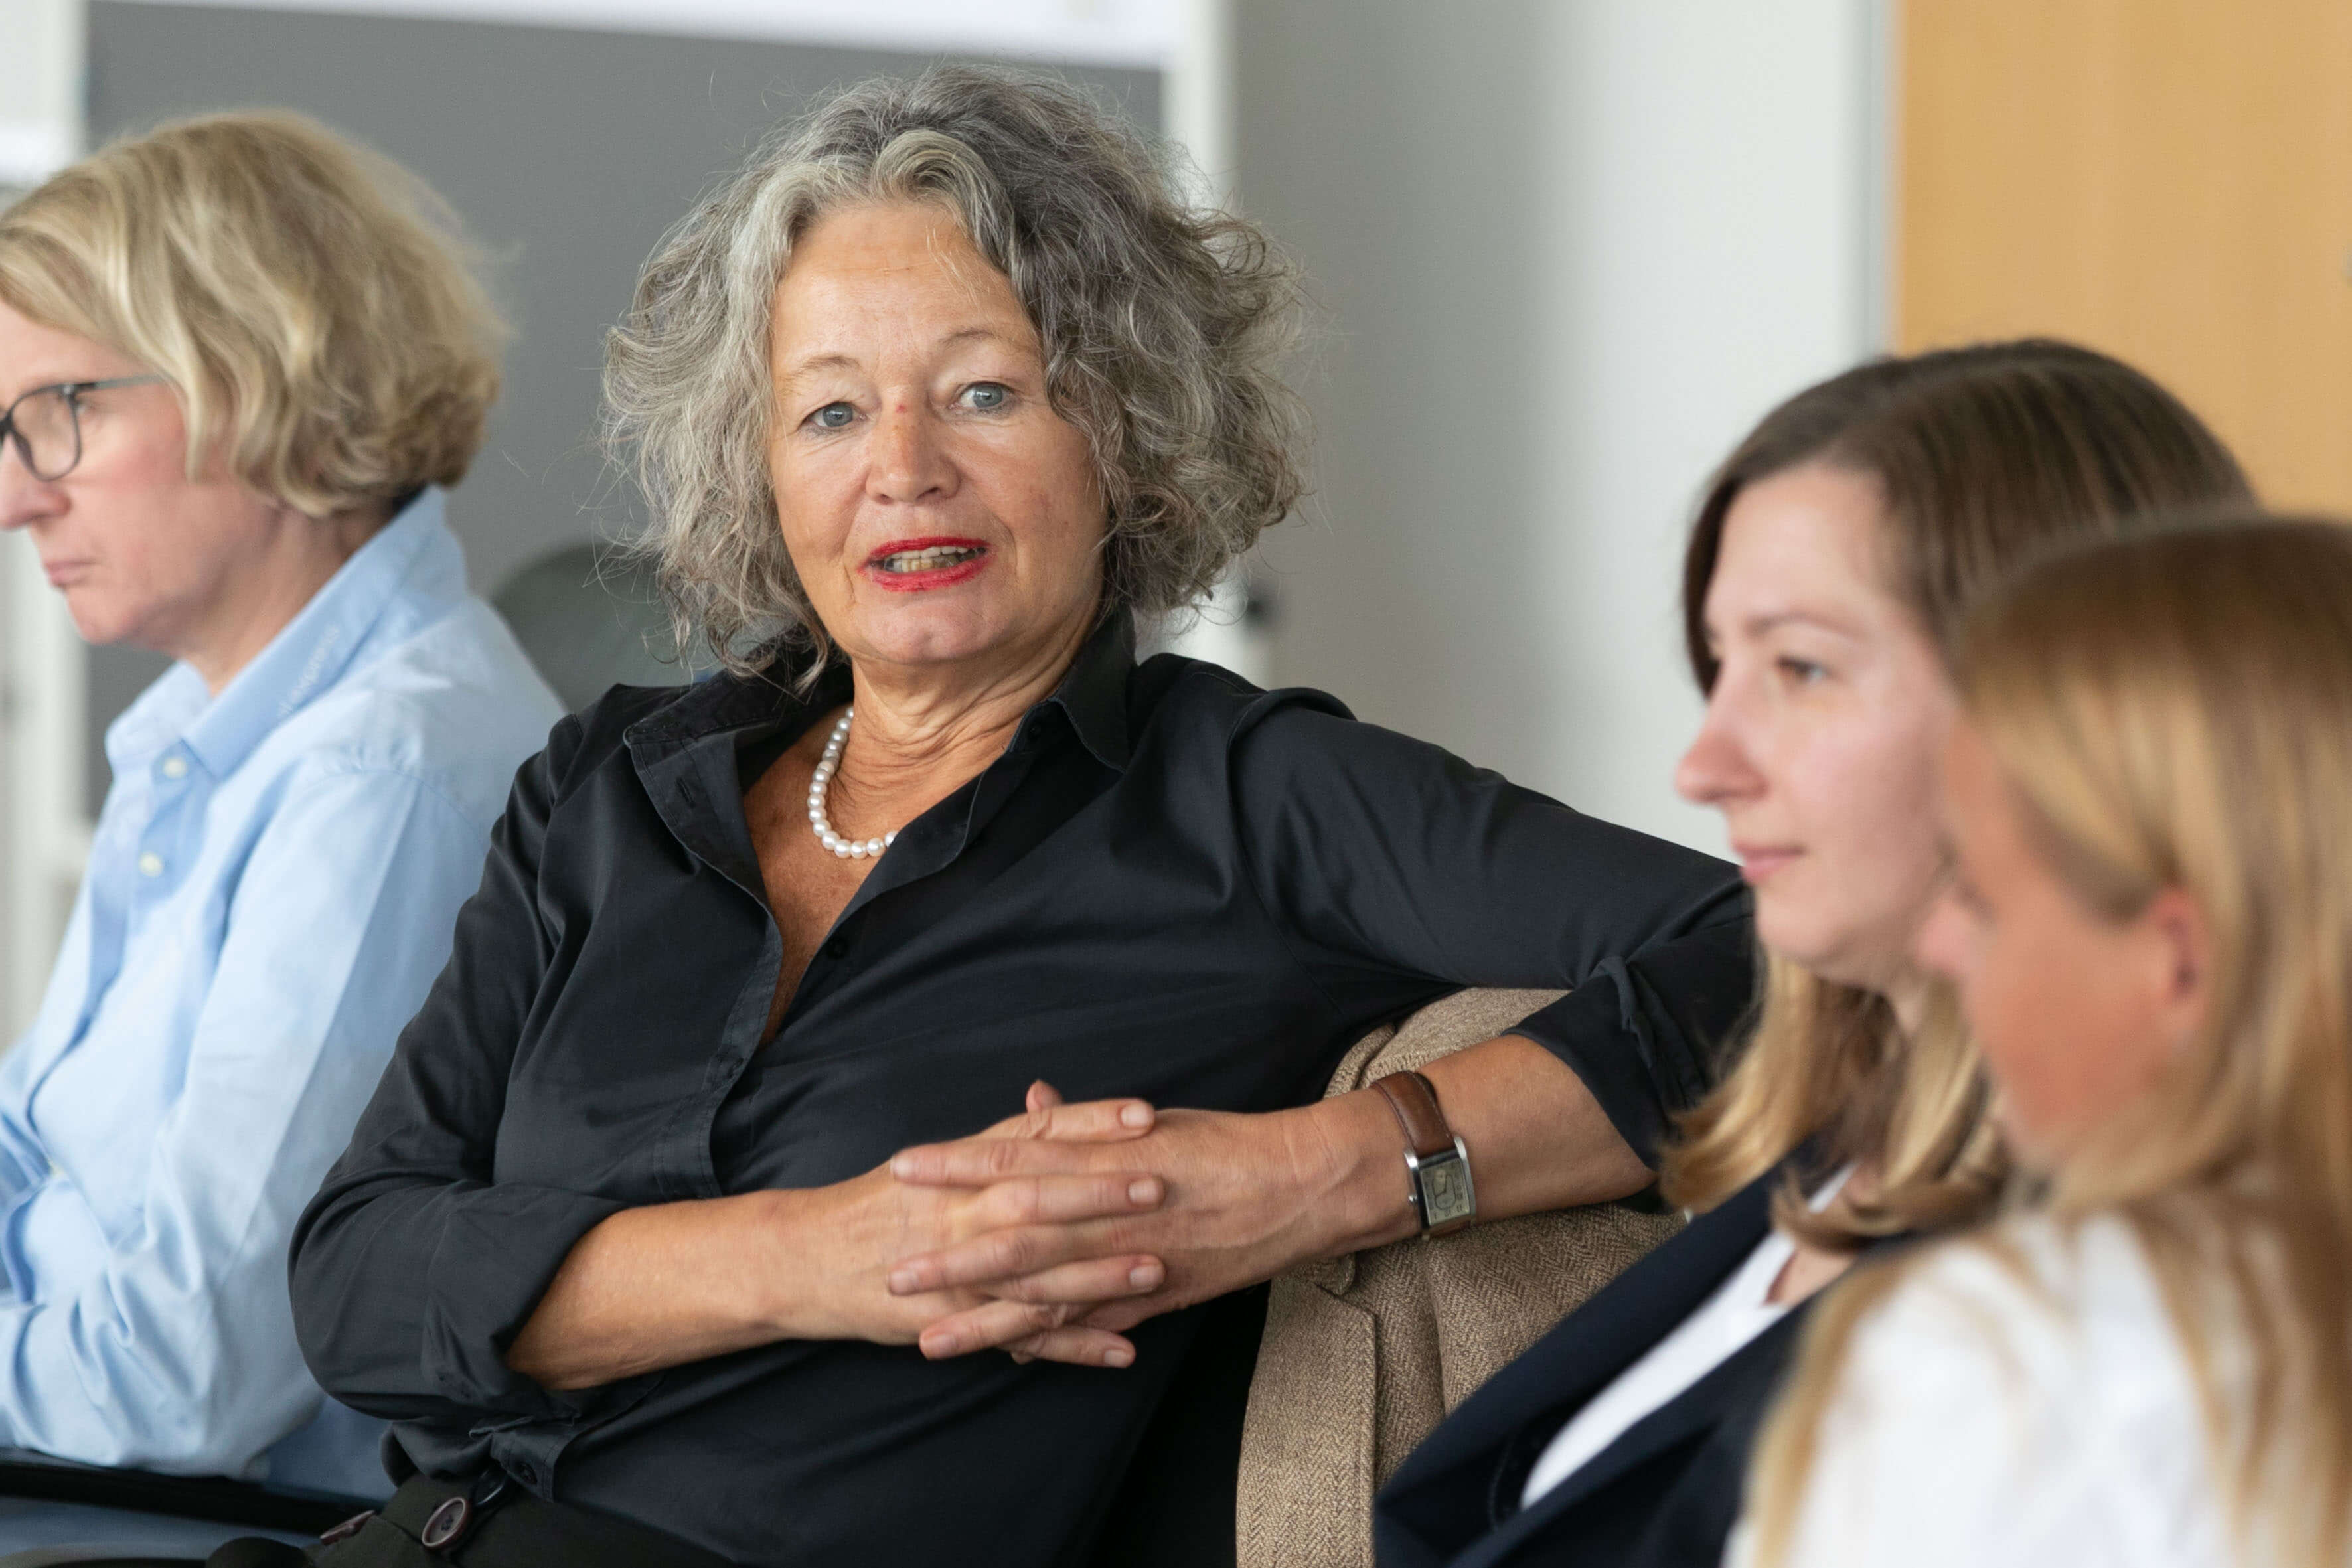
(271, 891)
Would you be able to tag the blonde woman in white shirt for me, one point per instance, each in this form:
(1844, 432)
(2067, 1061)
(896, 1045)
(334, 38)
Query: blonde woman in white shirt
(2151, 929)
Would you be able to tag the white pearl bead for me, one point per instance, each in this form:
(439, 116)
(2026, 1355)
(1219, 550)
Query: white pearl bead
(848, 848)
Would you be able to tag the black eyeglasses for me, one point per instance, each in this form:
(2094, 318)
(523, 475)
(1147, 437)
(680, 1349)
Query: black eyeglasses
(46, 424)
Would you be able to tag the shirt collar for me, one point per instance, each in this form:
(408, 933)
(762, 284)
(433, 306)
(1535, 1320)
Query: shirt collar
(1093, 692)
(415, 553)
(1092, 695)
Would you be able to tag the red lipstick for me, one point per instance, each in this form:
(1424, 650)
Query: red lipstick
(916, 565)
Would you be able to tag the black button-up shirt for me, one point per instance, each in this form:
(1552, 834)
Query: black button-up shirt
(1171, 885)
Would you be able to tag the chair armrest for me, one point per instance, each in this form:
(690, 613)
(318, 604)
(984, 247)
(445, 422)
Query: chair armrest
(26, 1474)
(1363, 1354)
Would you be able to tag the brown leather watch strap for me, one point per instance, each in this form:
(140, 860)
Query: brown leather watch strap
(1414, 1100)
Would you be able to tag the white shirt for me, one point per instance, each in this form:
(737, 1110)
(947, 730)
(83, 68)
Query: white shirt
(1737, 1311)
(1987, 1416)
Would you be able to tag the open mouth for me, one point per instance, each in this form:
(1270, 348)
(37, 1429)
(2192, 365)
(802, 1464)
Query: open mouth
(917, 565)
(906, 561)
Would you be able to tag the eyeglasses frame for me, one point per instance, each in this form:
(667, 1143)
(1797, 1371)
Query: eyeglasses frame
(73, 391)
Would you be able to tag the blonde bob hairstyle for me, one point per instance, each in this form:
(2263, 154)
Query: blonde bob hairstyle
(1161, 329)
(1982, 454)
(2175, 711)
(310, 302)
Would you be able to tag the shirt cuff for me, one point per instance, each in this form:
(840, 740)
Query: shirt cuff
(497, 1253)
(1646, 1035)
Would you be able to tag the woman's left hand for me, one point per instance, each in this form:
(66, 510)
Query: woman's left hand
(1247, 1196)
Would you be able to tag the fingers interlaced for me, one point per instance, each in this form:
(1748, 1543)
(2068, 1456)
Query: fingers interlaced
(1043, 1330)
(993, 1260)
(1056, 1200)
(1080, 1286)
(978, 1161)
(1047, 1119)
(1077, 1346)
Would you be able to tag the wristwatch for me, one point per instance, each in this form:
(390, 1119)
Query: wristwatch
(1436, 1163)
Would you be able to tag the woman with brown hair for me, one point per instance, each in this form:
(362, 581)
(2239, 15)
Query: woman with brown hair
(2150, 934)
(1826, 576)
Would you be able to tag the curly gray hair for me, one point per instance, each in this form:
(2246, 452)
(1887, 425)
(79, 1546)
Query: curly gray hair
(1161, 329)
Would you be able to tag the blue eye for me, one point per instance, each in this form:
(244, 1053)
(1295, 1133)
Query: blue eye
(832, 416)
(987, 396)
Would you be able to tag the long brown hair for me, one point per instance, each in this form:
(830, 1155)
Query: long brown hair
(1982, 454)
(2175, 711)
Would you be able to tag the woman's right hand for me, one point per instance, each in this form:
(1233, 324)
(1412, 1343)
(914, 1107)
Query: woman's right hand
(670, 1283)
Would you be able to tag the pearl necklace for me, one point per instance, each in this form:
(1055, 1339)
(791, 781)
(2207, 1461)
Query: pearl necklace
(848, 848)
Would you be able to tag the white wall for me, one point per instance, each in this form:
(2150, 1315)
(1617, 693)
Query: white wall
(1134, 33)
(1569, 251)
(43, 835)
(40, 80)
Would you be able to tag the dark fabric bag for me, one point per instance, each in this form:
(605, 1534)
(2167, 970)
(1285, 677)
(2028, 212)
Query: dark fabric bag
(429, 1523)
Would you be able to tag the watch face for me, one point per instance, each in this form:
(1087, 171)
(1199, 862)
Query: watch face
(1445, 1189)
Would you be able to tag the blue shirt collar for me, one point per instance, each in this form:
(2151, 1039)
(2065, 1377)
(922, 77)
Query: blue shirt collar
(415, 554)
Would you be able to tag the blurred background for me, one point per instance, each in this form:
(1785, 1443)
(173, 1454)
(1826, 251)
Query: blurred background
(1564, 252)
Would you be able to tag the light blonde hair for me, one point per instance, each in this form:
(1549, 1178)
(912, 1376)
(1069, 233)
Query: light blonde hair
(1163, 330)
(2175, 711)
(1983, 455)
(309, 301)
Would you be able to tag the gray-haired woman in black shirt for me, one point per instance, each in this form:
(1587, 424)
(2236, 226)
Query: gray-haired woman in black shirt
(931, 401)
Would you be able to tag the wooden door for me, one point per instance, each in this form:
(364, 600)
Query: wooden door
(2168, 180)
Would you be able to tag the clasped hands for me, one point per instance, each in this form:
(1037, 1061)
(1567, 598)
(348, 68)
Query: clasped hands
(1054, 1232)
(1082, 1221)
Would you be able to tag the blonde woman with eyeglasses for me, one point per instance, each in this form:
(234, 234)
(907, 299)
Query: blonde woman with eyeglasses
(2150, 929)
(240, 361)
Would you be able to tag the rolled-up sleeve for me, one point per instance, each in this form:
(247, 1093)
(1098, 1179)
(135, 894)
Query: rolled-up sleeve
(177, 1353)
(411, 1272)
(1386, 853)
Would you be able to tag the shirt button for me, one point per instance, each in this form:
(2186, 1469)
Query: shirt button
(150, 864)
(175, 767)
(837, 947)
(524, 1471)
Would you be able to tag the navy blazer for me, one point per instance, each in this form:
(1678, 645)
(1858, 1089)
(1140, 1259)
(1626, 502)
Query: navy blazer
(1666, 1492)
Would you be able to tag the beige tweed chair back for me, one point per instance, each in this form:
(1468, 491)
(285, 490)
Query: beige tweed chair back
(1363, 1354)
